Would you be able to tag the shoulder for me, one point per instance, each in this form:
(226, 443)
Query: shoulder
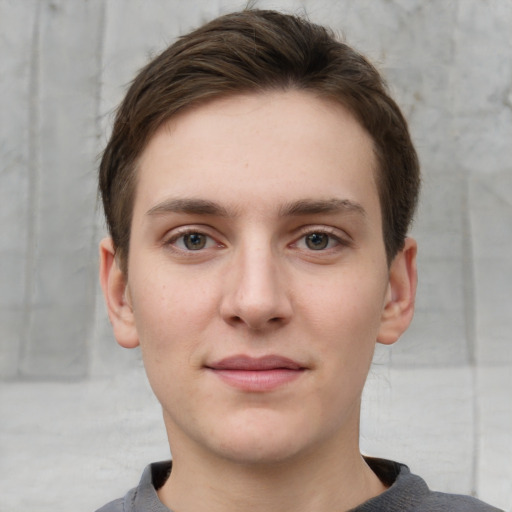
(113, 506)
(143, 497)
(407, 491)
(437, 502)
(126, 504)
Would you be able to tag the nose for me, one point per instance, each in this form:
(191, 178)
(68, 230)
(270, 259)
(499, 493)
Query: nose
(256, 294)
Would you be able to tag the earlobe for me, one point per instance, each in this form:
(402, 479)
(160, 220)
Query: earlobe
(115, 290)
(399, 302)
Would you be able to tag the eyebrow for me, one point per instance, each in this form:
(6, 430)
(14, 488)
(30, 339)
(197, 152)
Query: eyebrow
(189, 206)
(321, 206)
(193, 206)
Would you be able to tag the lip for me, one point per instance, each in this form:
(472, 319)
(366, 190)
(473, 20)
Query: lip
(256, 374)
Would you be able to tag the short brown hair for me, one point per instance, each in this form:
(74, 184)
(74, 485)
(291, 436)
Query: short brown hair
(256, 51)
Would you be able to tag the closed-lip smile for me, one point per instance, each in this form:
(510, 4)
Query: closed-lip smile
(256, 374)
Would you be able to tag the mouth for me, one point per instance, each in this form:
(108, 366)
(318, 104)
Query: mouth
(256, 374)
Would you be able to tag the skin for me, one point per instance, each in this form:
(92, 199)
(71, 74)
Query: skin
(257, 231)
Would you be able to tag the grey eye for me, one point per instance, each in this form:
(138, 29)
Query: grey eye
(195, 241)
(317, 241)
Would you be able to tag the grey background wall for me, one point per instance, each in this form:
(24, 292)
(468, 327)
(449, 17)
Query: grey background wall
(77, 419)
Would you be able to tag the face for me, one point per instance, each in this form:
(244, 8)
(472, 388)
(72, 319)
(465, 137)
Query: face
(257, 278)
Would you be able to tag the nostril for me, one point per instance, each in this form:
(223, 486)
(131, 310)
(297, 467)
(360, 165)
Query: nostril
(255, 324)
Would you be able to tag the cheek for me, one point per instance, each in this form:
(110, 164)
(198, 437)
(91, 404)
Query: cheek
(344, 330)
(350, 303)
(170, 313)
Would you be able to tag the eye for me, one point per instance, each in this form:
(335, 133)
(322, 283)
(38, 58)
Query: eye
(195, 241)
(318, 241)
(192, 241)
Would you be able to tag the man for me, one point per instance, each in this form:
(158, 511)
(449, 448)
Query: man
(258, 187)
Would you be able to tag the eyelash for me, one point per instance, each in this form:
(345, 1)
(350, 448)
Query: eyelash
(329, 232)
(181, 234)
(304, 233)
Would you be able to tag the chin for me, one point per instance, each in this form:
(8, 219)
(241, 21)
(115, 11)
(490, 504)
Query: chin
(256, 452)
(262, 442)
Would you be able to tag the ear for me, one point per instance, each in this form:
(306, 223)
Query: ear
(399, 302)
(115, 290)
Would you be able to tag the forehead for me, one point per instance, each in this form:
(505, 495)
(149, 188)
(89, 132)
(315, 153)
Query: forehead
(259, 151)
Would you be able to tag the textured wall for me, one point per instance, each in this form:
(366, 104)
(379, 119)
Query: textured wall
(439, 400)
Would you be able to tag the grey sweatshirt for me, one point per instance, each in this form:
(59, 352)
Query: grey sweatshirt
(406, 492)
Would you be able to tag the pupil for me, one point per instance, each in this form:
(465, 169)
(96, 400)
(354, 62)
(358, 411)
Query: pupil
(317, 241)
(194, 241)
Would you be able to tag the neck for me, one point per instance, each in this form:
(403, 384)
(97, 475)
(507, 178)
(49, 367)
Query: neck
(323, 480)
